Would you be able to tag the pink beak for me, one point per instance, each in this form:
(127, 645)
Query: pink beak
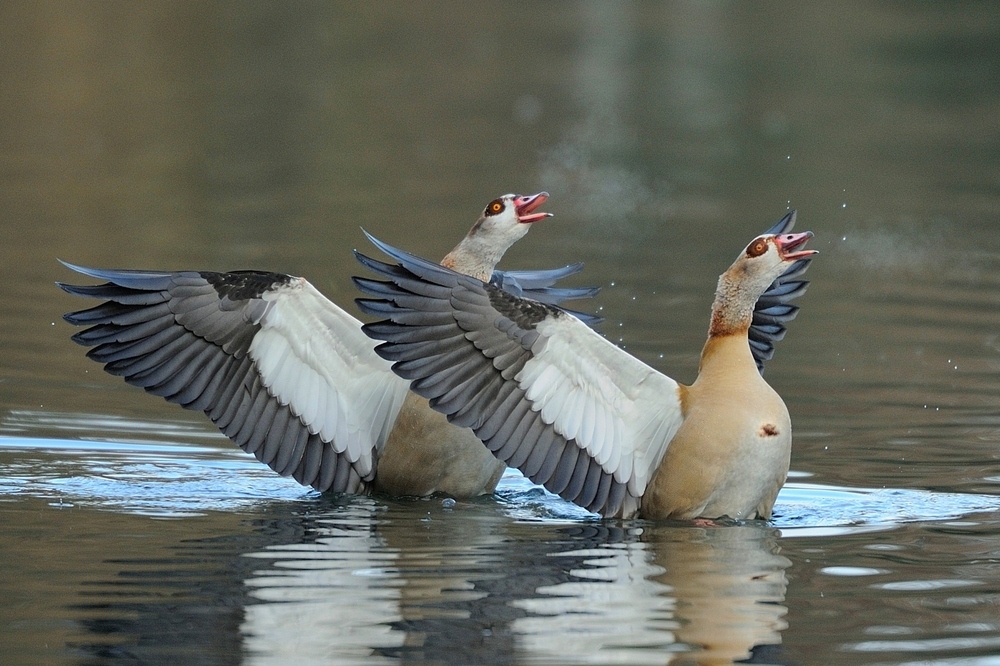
(787, 243)
(524, 207)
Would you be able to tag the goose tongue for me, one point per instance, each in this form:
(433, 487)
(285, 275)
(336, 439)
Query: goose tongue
(787, 243)
(524, 206)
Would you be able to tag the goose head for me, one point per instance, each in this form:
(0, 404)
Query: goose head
(767, 257)
(503, 222)
(760, 264)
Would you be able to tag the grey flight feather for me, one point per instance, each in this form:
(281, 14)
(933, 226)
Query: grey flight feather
(537, 285)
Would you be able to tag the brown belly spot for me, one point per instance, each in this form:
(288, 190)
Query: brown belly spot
(768, 430)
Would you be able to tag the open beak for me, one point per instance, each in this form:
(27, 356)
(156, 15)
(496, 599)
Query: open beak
(788, 243)
(525, 206)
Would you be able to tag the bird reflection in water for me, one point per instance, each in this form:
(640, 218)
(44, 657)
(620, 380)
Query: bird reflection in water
(413, 583)
(360, 578)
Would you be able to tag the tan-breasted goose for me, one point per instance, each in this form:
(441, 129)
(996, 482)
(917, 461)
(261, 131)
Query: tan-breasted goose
(573, 412)
(289, 376)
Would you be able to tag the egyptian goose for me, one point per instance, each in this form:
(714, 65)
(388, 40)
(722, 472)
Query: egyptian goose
(289, 376)
(580, 416)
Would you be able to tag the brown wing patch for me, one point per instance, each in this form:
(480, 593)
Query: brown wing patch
(244, 285)
(525, 313)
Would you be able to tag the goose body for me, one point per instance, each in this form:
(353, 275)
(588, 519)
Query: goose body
(731, 452)
(582, 417)
(289, 376)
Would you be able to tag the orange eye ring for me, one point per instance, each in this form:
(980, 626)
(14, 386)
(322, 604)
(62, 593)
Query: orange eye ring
(757, 248)
(496, 206)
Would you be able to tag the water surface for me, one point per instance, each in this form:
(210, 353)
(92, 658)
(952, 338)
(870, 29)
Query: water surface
(231, 135)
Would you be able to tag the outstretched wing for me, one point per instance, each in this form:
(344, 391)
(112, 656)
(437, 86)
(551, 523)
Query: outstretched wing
(545, 393)
(283, 372)
(772, 311)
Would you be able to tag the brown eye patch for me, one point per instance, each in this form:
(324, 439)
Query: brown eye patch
(757, 248)
(496, 206)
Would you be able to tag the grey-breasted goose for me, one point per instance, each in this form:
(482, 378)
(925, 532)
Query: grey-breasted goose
(573, 412)
(289, 376)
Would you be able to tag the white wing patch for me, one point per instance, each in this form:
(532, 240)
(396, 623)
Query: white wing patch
(314, 358)
(621, 411)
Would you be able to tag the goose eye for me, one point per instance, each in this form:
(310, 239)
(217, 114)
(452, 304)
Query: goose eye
(757, 248)
(496, 206)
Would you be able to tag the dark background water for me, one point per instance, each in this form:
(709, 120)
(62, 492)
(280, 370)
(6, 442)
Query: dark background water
(222, 135)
